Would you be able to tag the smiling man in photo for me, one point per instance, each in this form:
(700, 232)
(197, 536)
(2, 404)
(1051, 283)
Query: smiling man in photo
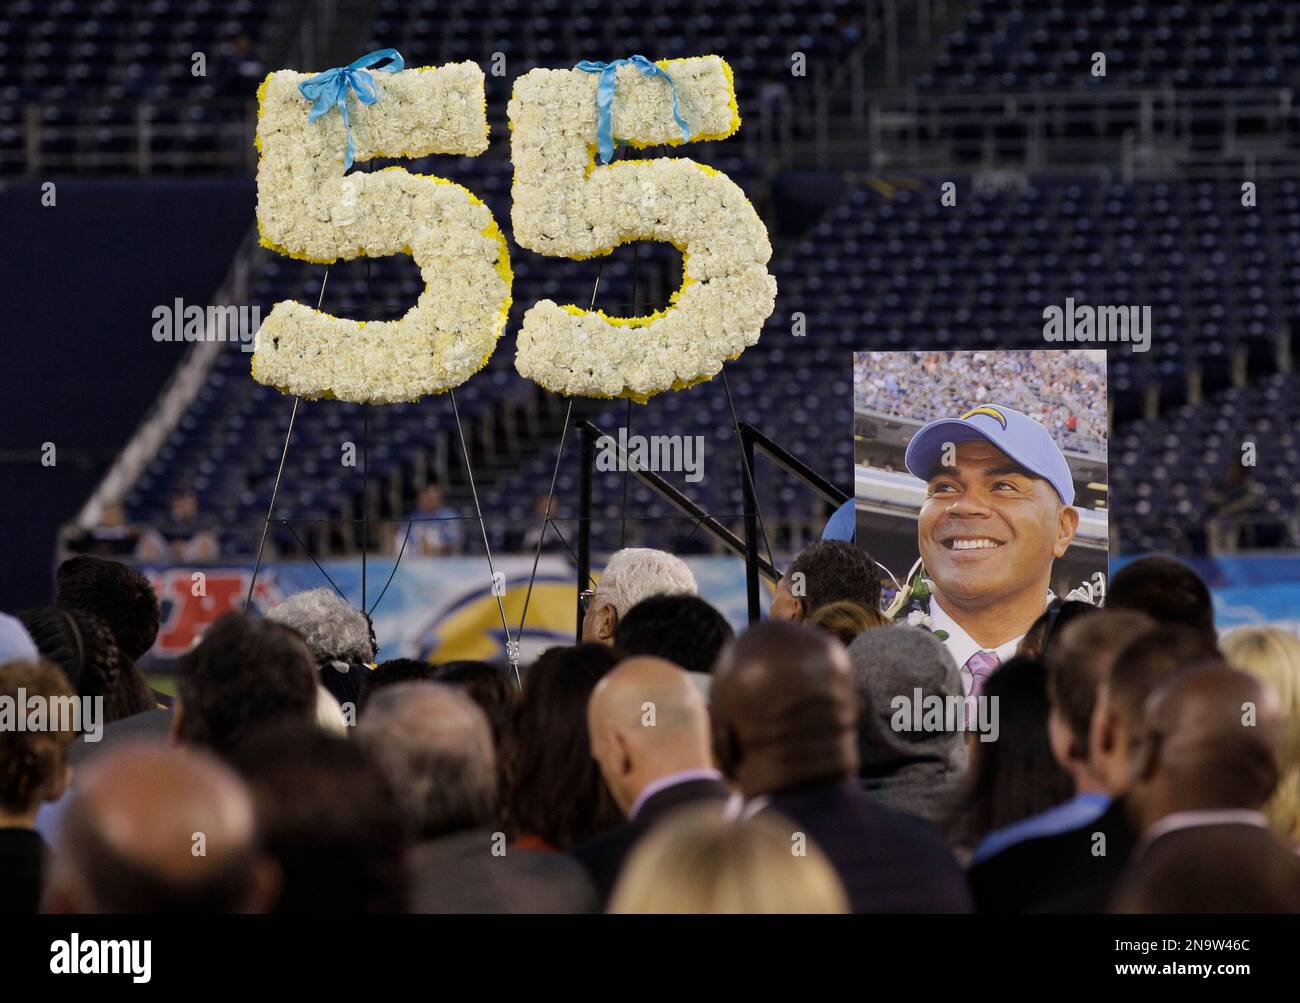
(999, 509)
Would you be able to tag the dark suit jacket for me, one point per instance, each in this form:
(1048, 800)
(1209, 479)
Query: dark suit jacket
(1211, 869)
(460, 874)
(887, 861)
(603, 857)
(344, 687)
(146, 726)
(1062, 873)
(23, 855)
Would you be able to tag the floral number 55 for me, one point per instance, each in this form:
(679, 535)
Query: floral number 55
(564, 205)
(307, 208)
(568, 206)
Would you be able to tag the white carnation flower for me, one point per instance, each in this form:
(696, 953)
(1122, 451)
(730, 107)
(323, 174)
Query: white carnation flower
(566, 205)
(308, 209)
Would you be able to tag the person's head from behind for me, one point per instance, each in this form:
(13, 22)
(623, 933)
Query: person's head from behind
(552, 789)
(825, 572)
(334, 629)
(330, 820)
(160, 829)
(393, 672)
(434, 744)
(85, 648)
(33, 763)
(647, 721)
(245, 672)
(1043, 635)
(1140, 666)
(1272, 654)
(1208, 740)
(902, 663)
(487, 685)
(1164, 589)
(1078, 665)
(120, 596)
(1015, 776)
(846, 620)
(684, 629)
(701, 862)
(784, 711)
(631, 575)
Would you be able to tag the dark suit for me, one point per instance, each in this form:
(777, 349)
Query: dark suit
(1211, 869)
(603, 857)
(147, 726)
(23, 856)
(1062, 873)
(887, 861)
(460, 874)
(343, 686)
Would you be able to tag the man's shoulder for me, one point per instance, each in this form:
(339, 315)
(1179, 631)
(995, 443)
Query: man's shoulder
(889, 861)
(1028, 874)
(606, 852)
(845, 808)
(1111, 824)
(465, 872)
(677, 795)
(600, 853)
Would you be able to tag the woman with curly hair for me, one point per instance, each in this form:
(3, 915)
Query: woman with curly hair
(340, 636)
(33, 770)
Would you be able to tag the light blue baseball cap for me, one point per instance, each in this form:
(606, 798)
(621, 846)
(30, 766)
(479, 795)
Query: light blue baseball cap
(15, 643)
(1024, 440)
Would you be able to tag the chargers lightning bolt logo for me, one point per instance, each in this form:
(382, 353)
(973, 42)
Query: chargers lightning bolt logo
(991, 412)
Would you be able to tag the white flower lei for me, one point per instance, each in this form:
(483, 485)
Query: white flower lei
(567, 206)
(307, 209)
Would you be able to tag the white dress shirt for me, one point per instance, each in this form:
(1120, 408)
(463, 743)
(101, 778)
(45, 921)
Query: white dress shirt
(961, 645)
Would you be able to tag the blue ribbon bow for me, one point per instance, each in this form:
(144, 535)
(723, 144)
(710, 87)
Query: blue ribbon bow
(605, 99)
(330, 89)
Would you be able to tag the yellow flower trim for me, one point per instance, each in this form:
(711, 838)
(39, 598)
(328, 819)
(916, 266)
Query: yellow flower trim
(724, 245)
(432, 348)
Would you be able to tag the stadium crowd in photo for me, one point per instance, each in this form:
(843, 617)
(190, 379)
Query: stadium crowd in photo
(570, 457)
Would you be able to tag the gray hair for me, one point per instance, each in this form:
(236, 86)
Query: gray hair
(435, 745)
(636, 573)
(333, 628)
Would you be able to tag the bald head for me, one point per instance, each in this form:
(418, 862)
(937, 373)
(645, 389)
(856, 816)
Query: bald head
(435, 745)
(159, 829)
(647, 720)
(1210, 740)
(784, 711)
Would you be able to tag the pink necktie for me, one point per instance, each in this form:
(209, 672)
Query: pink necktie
(981, 665)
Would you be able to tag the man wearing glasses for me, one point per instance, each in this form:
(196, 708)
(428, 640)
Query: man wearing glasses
(630, 575)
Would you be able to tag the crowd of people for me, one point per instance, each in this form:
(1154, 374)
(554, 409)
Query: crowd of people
(1136, 761)
(1065, 391)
